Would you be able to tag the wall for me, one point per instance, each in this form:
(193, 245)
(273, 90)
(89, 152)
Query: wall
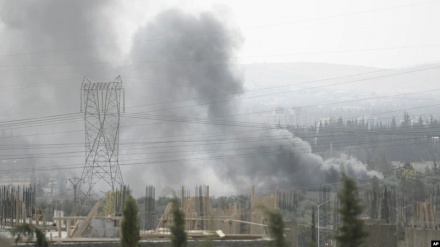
(380, 235)
(419, 237)
(164, 243)
(391, 235)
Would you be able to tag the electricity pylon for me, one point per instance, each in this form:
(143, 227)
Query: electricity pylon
(102, 107)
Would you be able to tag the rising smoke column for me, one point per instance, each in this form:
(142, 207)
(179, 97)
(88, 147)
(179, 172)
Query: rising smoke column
(191, 58)
(187, 57)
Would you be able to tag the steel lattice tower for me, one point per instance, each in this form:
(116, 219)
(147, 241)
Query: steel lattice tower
(102, 107)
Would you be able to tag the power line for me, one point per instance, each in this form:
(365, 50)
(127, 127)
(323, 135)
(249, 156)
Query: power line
(216, 121)
(299, 90)
(324, 104)
(220, 133)
(53, 118)
(40, 119)
(74, 166)
(242, 141)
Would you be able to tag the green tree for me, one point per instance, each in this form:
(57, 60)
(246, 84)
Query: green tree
(406, 120)
(375, 183)
(109, 207)
(393, 123)
(385, 208)
(374, 205)
(375, 187)
(178, 234)
(276, 228)
(313, 230)
(420, 193)
(427, 170)
(420, 121)
(130, 223)
(29, 231)
(352, 230)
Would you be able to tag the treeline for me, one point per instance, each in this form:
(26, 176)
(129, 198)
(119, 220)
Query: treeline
(375, 143)
(399, 200)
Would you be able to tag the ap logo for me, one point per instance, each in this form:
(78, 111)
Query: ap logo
(435, 243)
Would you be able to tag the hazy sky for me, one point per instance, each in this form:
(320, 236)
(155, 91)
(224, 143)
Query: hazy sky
(48, 47)
(377, 33)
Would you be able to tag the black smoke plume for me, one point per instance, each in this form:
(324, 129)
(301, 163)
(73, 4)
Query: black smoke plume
(192, 58)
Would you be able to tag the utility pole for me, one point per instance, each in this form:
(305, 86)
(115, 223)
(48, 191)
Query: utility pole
(319, 205)
(75, 181)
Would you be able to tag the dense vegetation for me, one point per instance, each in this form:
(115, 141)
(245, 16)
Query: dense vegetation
(351, 230)
(130, 224)
(178, 234)
(375, 143)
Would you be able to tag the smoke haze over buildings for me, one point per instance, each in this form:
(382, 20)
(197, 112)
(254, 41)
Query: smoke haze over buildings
(196, 63)
(182, 84)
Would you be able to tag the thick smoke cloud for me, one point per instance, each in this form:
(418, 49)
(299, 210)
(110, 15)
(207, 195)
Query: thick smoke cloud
(284, 160)
(43, 61)
(192, 59)
(189, 57)
(42, 43)
(178, 65)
